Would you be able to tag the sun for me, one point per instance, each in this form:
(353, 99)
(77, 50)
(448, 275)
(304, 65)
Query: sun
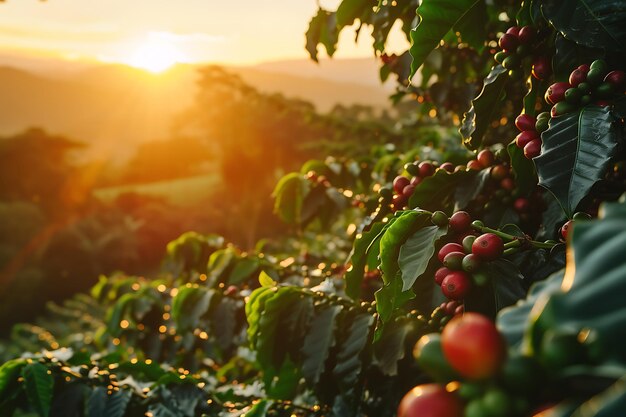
(156, 55)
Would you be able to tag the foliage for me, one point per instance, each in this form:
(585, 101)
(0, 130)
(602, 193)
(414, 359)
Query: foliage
(389, 244)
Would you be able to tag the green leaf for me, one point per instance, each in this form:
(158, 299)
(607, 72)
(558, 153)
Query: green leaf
(568, 55)
(220, 261)
(436, 19)
(391, 297)
(358, 260)
(506, 281)
(394, 237)
(470, 187)
(322, 29)
(348, 361)
(523, 169)
(437, 192)
(265, 280)
(101, 404)
(349, 10)
(9, 387)
(254, 310)
(416, 252)
(189, 304)
(473, 26)
(225, 323)
(593, 23)
(591, 293)
(39, 385)
(289, 194)
(260, 409)
(243, 269)
(318, 342)
(484, 108)
(391, 347)
(576, 153)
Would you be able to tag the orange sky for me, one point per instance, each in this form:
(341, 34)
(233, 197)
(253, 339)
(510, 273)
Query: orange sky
(158, 32)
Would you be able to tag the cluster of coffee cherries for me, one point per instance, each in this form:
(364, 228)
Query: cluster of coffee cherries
(587, 84)
(568, 225)
(529, 138)
(462, 261)
(518, 43)
(404, 187)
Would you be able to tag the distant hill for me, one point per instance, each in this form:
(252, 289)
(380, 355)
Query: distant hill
(113, 105)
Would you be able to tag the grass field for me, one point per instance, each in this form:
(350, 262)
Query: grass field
(182, 192)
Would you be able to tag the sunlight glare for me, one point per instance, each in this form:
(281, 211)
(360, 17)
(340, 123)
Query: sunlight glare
(156, 55)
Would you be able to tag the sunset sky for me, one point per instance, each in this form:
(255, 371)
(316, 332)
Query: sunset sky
(155, 33)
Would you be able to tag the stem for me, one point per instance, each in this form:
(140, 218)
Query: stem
(510, 251)
(514, 241)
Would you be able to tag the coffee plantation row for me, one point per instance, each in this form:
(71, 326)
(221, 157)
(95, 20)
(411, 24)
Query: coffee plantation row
(479, 274)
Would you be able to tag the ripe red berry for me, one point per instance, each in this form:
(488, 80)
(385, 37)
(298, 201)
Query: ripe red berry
(451, 306)
(430, 400)
(441, 273)
(521, 205)
(507, 184)
(565, 229)
(525, 122)
(399, 183)
(508, 42)
(488, 247)
(617, 79)
(448, 248)
(513, 30)
(556, 92)
(577, 76)
(398, 201)
(499, 172)
(426, 169)
(408, 190)
(541, 68)
(532, 149)
(473, 346)
(415, 181)
(460, 221)
(523, 138)
(456, 285)
(448, 166)
(474, 164)
(527, 34)
(485, 157)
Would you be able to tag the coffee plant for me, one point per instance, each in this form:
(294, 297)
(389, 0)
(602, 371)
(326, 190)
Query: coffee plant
(479, 273)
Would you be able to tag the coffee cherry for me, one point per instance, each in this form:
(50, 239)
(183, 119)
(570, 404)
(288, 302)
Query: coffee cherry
(439, 218)
(441, 273)
(499, 57)
(448, 166)
(411, 168)
(475, 165)
(486, 158)
(507, 184)
(513, 30)
(525, 122)
(456, 285)
(451, 306)
(511, 63)
(561, 108)
(470, 263)
(523, 138)
(578, 76)
(508, 42)
(532, 149)
(415, 181)
(599, 64)
(595, 76)
(541, 68)
(408, 191)
(454, 261)
(488, 247)
(521, 205)
(448, 248)
(556, 92)
(617, 79)
(604, 90)
(573, 95)
(499, 172)
(467, 243)
(460, 221)
(426, 169)
(565, 229)
(399, 183)
(527, 34)
(398, 201)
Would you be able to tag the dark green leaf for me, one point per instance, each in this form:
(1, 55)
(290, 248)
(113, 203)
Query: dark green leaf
(391, 297)
(322, 29)
(289, 194)
(39, 385)
(349, 10)
(438, 17)
(593, 23)
(506, 281)
(416, 252)
(189, 304)
(318, 342)
(348, 361)
(260, 409)
(391, 347)
(471, 186)
(473, 26)
(437, 192)
(101, 404)
(358, 260)
(576, 153)
(523, 169)
(243, 270)
(484, 108)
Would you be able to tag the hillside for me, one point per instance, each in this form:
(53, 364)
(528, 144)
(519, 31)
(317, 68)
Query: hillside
(108, 105)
